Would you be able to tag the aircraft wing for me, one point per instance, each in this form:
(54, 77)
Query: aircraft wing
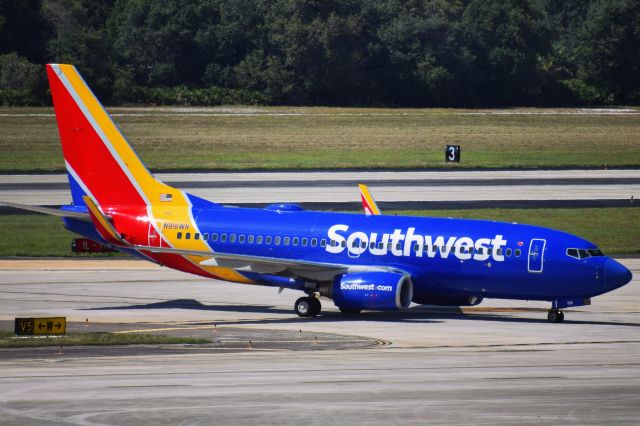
(49, 211)
(303, 268)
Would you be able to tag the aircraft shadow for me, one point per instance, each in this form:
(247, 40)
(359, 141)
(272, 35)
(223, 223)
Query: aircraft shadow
(195, 305)
(422, 314)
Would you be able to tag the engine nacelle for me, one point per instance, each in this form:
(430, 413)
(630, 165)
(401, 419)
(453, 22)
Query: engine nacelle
(380, 291)
(448, 300)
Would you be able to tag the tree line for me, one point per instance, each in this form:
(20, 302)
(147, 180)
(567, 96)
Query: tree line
(449, 53)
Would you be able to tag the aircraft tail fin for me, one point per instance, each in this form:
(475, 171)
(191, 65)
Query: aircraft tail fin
(99, 161)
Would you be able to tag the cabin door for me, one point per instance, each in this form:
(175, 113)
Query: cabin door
(536, 255)
(155, 240)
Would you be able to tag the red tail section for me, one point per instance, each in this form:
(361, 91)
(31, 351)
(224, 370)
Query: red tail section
(99, 160)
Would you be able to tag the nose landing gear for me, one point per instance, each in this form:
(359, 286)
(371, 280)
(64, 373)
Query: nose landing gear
(555, 315)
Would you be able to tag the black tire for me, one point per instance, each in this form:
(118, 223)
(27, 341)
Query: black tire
(555, 316)
(349, 310)
(315, 306)
(303, 307)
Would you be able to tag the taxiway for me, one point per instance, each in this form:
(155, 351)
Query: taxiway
(498, 363)
(618, 186)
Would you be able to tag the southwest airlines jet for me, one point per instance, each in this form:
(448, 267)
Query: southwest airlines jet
(361, 261)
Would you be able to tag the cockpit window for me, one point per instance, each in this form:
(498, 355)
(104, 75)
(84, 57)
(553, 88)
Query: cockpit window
(583, 253)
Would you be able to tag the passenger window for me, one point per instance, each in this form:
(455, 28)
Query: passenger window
(344, 244)
(259, 239)
(323, 243)
(205, 236)
(232, 238)
(223, 238)
(268, 239)
(508, 252)
(499, 252)
(214, 237)
(196, 236)
(286, 240)
(179, 235)
(354, 243)
(296, 241)
(241, 239)
(277, 240)
(304, 241)
(517, 253)
(416, 248)
(187, 236)
(250, 239)
(363, 245)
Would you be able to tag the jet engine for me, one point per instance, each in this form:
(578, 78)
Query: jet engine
(380, 291)
(447, 300)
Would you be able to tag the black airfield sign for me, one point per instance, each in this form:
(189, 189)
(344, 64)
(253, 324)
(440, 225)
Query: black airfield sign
(40, 326)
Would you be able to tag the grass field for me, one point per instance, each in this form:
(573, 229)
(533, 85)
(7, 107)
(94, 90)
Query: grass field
(7, 340)
(239, 138)
(614, 230)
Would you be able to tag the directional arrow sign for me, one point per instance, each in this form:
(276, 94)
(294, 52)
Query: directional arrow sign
(49, 326)
(40, 326)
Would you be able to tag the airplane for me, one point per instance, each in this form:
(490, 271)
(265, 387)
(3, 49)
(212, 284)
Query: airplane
(361, 262)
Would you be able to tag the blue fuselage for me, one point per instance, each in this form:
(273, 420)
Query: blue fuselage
(447, 259)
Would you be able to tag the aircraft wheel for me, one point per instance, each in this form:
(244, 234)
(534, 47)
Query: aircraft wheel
(349, 310)
(307, 307)
(555, 316)
(316, 306)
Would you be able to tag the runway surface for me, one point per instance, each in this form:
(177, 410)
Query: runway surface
(554, 187)
(498, 363)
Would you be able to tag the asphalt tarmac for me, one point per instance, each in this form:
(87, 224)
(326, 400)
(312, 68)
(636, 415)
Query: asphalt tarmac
(425, 189)
(498, 363)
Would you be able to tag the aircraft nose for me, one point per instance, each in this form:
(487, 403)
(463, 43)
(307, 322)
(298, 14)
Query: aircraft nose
(615, 274)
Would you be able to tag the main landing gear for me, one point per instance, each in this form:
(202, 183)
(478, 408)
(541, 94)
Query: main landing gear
(308, 306)
(555, 315)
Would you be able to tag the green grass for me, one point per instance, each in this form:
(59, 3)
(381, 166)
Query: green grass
(333, 138)
(7, 340)
(37, 235)
(614, 230)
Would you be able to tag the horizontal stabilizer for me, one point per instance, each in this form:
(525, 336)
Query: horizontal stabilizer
(103, 223)
(49, 211)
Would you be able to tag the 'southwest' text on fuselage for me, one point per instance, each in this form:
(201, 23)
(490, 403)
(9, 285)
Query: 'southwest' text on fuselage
(408, 243)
